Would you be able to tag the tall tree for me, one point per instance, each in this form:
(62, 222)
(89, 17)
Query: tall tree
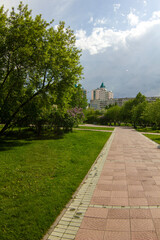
(34, 58)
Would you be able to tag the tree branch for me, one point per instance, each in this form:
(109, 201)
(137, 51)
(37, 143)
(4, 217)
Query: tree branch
(21, 106)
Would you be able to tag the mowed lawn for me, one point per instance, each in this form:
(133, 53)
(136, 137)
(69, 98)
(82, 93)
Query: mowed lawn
(38, 178)
(155, 138)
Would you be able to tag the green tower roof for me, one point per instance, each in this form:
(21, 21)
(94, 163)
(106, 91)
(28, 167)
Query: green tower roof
(102, 85)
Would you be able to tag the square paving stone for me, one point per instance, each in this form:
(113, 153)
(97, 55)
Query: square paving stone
(118, 213)
(136, 194)
(119, 201)
(157, 223)
(119, 194)
(100, 201)
(153, 201)
(117, 235)
(84, 234)
(104, 187)
(135, 188)
(140, 213)
(152, 193)
(155, 212)
(144, 236)
(138, 202)
(94, 223)
(101, 193)
(97, 212)
(142, 225)
(118, 225)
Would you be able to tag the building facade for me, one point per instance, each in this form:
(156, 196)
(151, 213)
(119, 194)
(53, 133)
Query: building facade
(101, 98)
(101, 94)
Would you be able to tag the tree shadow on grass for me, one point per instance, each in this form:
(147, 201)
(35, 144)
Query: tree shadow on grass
(17, 138)
(6, 145)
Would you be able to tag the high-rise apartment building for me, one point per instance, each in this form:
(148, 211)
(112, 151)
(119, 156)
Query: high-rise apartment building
(101, 93)
(101, 97)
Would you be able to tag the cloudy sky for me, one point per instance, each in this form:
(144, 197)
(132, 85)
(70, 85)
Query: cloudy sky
(120, 41)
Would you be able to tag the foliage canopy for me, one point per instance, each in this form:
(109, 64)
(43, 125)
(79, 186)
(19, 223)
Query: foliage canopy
(35, 59)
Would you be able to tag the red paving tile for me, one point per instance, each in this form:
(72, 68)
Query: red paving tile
(117, 235)
(119, 201)
(153, 201)
(152, 194)
(100, 193)
(140, 213)
(157, 223)
(118, 225)
(84, 234)
(119, 194)
(130, 178)
(155, 212)
(142, 225)
(135, 188)
(136, 194)
(138, 202)
(94, 223)
(100, 201)
(118, 214)
(148, 235)
(97, 212)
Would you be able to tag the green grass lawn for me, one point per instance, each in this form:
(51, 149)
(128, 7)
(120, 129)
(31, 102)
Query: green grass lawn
(155, 138)
(38, 178)
(148, 130)
(97, 128)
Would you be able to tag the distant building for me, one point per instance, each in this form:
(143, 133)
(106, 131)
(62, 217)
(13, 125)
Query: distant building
(101, 98)
(101, 93)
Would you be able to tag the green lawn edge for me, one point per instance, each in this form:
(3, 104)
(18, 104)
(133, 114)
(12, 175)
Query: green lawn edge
(149, 130)
(155, 138)
(39, 177)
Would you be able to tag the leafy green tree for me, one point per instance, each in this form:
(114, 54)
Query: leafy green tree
(127, 108)
(139, 99)
(151, 113)
(78, 98)
(113, 115)
(35, 58)
(126, 111)
(92, 116)
(137, 114)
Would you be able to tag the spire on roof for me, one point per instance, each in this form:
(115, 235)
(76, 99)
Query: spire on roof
(102, 85)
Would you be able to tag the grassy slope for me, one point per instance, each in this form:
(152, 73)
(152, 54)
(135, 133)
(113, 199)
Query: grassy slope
(155, 138)
(148, 130)
(38, 177)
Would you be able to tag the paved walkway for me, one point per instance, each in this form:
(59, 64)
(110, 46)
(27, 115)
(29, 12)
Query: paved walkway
(120, 199)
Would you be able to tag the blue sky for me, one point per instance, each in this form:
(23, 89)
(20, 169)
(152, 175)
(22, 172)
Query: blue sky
(120, 41)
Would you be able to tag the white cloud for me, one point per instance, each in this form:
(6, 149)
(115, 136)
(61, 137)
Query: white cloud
(156, 15)
(145, 3)
(101, 21)
(102, 38)
(132, 19)
(90, 20)
(116, 6)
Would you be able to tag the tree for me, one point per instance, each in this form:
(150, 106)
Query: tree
(78, 98)
(151, 113)
(137, 114)
(35, 58)
(113, 114)
(127, 108)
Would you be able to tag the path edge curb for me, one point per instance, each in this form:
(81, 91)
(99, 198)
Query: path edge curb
(101, 157)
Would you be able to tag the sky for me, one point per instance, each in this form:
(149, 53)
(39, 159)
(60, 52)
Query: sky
(120, 41)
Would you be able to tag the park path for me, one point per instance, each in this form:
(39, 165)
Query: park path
(121, 198)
